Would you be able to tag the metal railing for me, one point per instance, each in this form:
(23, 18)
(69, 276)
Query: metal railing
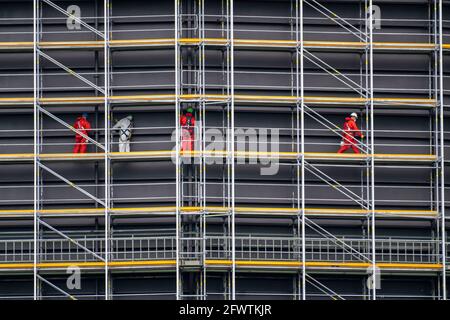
(248, 248)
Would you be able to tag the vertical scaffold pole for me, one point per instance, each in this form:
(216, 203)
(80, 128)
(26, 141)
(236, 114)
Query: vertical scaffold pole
(232, 132)
(107, 142)
(372, 146)
(298, 293)
(227, 65)
(442, 154)
(177, 150)
(36, 146)
(203, 145)
(302, 151)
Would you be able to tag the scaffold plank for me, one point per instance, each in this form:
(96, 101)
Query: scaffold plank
(167, 154)
(256, 99)
(326, 264)
(239, 263)
(93, 264)
(336, 212)
(257, 43)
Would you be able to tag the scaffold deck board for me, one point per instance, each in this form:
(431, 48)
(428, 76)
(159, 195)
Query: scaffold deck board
(239, 98)
(238, 263)
(93, 264)
(326, 264)
(262, 211)
(257, 43)
(168, 154)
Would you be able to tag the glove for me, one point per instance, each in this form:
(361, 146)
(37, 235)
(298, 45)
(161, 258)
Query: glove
(342, 143)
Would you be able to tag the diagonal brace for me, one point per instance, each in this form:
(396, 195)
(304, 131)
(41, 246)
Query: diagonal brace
(336, 185)
(324, 121)
(50, 3)
(335, 239)
(56, 288)
(337, 19)
(70, 71)
(71, 240)
(337, 74)
(70, 183)
(323, 288)
(51, 115)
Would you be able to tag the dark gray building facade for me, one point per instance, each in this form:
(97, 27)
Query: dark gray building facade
(264, 207)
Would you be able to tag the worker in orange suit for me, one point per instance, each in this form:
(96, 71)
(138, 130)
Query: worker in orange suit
(187, 122)
(351, 130)
(82, 125)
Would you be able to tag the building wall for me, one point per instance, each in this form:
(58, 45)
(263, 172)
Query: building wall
(257, 72)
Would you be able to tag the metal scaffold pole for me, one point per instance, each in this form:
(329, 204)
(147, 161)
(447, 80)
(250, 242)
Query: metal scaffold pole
(203, 202)
(36, 138)
(107, 144)
(229, 283)
(233, 171)
(369, 15)
(442, 154)
(366, 169)
(177, 151)
(302, 143)
(298, 293)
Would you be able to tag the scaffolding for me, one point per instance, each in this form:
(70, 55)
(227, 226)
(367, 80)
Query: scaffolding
(190, 250)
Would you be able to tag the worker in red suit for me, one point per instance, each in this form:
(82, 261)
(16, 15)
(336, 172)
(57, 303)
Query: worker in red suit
(82, 125)
(187, 122)
(351, 130)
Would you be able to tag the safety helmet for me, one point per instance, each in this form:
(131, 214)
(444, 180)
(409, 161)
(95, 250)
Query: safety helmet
(354, 115)
(84, 115)
(190, 110)
(130, 117)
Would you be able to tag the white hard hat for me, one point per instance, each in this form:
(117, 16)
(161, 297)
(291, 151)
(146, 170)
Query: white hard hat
(354, 115)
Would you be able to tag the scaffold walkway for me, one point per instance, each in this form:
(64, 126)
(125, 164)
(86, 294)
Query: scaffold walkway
(255, 99)
(252, 211)
(251, 252)
(168, 154)
(238, 43)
